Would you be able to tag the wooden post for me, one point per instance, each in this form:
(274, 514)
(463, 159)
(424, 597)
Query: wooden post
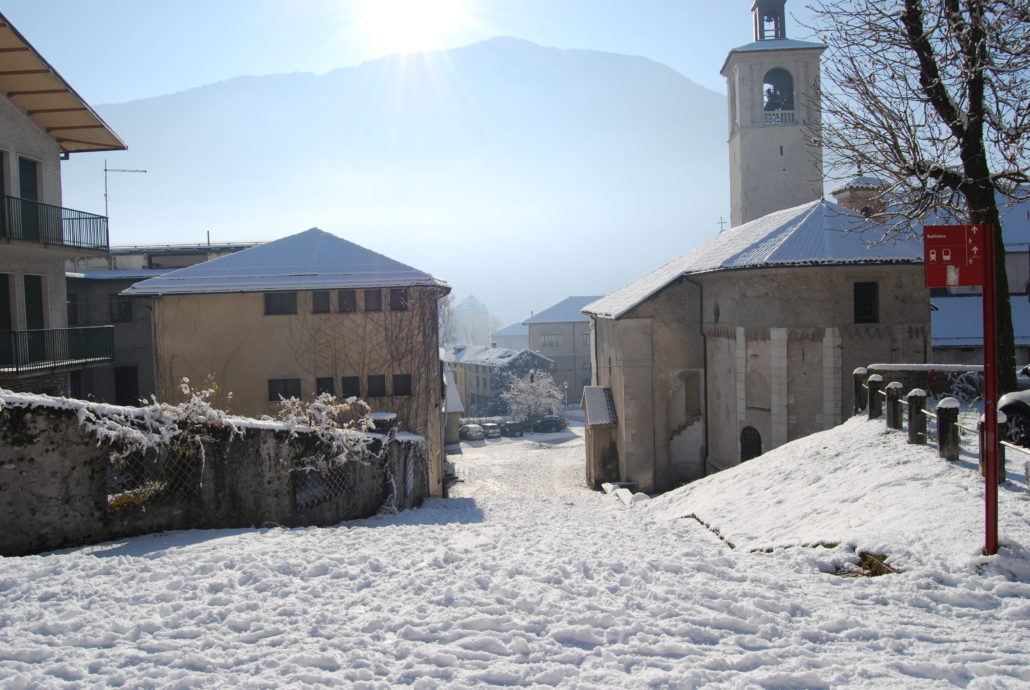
(947, 431)
(916, 419)
(875, 382)
(894, 404)
(860, 374)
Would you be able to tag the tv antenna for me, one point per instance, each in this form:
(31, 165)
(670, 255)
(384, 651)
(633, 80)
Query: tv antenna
(107, 170)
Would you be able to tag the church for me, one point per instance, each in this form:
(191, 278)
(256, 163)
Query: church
(750, 340)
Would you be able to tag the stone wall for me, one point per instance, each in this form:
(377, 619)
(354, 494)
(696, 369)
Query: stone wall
(59, 487)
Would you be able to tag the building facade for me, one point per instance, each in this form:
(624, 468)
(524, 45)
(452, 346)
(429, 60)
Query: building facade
(562, 334)
(307, 314)
(482, 374)
(41, 120)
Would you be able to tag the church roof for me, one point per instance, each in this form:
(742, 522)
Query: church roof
(816, 233)
(569, 310)
(769, 45)
(861, 182)
(310, 260)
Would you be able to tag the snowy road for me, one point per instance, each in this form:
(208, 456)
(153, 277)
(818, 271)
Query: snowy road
(524, 578)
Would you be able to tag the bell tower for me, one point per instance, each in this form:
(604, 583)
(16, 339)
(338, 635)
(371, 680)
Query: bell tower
(772, 87)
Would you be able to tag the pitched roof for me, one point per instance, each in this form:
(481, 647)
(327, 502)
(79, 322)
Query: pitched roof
(487, 356)
(599, 406)
(29, 81)
(310, 260)
(519, 328)
(816, 233)
(567, 311)
(771, 44)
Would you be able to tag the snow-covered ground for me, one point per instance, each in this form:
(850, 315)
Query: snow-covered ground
(527, 578)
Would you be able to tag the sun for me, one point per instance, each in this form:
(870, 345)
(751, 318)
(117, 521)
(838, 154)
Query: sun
(406, 26)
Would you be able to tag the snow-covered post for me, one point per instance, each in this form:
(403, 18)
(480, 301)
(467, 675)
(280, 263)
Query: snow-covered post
(1002, 423)
(916, 419)
(947, 429)
(875, 382)
(894, 405)
(860, 374)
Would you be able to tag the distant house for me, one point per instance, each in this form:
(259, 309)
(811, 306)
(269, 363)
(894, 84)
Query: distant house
(749, 341)
(482, 373)
(562, 333)
(513, 337)
(42, 119)
(453, 407)
(302, 315)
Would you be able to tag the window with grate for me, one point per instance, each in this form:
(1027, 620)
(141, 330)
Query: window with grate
(550, 340)
(285, 388)
(398, 299)
(377, 386)
(750, 443)
(867, 303)
(320, 302)
(325, 384)
(373, 300)
(280, 303)
(350, 386)
(402, 384)
(348, 300)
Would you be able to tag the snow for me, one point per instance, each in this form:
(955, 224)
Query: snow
(310, 260)
(816, 233)
(526, 578)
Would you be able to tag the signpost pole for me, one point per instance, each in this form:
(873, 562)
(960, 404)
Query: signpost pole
(990, 309)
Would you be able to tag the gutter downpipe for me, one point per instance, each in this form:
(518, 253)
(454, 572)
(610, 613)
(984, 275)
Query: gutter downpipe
(704, 362)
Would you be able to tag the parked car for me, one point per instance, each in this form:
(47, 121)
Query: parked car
(512, 427)
(491, 429)
(1016, 406)
(550, 423)
(471, 432)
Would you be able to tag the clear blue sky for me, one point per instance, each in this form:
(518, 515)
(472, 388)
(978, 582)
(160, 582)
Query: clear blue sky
(117, 50)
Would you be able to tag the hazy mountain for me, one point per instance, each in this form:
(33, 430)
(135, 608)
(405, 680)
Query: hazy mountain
(518, 172)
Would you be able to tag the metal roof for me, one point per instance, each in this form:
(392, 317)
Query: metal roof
(566, 311)
(33, 85)
(599, 406)
(816, 233)
(310, 260)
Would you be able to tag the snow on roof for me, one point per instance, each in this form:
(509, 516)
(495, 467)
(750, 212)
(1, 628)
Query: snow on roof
(861, 182)
(486, 356)
(566, 311)
(771, 44)
(120, 274)
(310, 260)
(957, 320)
(817, 233)
(599, 406)
(519, 328)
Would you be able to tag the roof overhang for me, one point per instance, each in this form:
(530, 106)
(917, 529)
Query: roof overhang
(33, 85)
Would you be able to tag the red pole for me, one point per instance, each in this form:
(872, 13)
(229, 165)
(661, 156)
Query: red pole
(990, 310)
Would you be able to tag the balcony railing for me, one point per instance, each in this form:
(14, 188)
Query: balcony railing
(32, 221)
(22, 351)
(778, 118)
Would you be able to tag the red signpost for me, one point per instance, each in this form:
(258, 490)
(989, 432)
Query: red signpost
(960, 255)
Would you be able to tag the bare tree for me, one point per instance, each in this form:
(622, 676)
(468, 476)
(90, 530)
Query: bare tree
(932, 97)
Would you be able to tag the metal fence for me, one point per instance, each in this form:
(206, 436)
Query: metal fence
(33, 221)
(43, 349)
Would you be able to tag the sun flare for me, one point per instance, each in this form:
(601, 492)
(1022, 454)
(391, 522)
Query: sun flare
(405, 26)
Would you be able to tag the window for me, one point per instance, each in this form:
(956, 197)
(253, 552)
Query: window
(350, 386)
(283, 388)
(750, 443)
(280, 303)
(348, 301)
(399, 299)
(320, 303)
(73, 309)
(376, 386)
(402, 384)
(324, 384)
(550, 340)
(373, 300)
(584, 337)
(121, 308)
(867, 303)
